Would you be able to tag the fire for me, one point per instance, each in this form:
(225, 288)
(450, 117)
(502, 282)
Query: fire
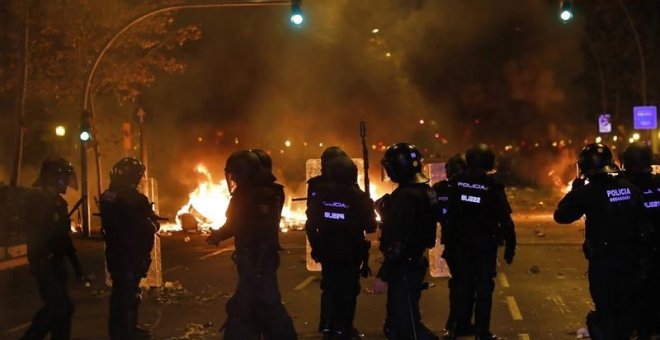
(208, 203)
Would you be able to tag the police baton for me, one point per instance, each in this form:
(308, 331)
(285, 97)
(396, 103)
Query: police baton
(365, 155)
(77, 205)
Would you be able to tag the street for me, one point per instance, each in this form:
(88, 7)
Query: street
(542, 295)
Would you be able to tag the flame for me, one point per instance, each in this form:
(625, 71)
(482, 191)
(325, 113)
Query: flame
(208, 204)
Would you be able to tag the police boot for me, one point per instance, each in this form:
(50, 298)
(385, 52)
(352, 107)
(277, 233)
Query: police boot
(390, 332)
(449, 334)
(487, 336)
(142, 333)
(327, 334)
(466, 330)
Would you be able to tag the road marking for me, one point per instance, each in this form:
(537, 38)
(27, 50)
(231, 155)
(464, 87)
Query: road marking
(305, 282)
(559, 302)
(172, 269)
(504, 282)
(18, 328)
(218, 252)
(513, 308)
(524, 337)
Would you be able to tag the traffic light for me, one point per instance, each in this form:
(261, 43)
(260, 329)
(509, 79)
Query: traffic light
(85, 127)
(566, 11)
(297, 17)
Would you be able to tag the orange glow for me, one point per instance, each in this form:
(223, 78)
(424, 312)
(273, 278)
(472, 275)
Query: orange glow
(208, 204)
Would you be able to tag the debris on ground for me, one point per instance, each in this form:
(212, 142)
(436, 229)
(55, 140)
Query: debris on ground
(582, 333)
(539, 233)
(534, 269)
(196, 331)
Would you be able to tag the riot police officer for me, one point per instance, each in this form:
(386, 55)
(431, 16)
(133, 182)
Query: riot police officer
(615, 222)
(479, 212)
(264, 159)
(49, 244)
(128, 224)
(326, 157)
(455, 326)
(253, 220)
(338, 217)
(409, 217)
(636, 161)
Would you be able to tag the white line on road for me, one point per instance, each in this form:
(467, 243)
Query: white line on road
(504, 282)
(172, 269)
(218, 252)
(513, 308)
(305, 282)
(524, 337)
(18, 328)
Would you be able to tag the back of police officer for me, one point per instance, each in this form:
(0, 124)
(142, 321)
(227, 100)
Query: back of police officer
(615, 223)
(409, 216)
(49, 244)
(128, 225)
(479, 213)
(455, 325)
(636, 160)
(327, 156)
(340, 215)
(253, 218)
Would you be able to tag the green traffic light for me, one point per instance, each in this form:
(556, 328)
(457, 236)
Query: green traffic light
(566, 11)
(85, 136)
(297, 17)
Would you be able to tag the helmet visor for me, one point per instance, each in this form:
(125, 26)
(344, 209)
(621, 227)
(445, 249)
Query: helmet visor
(71, 180)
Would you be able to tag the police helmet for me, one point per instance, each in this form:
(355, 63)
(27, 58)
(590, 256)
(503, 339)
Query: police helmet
(637, 158)
(57, 172)
(242, 166)
(480, 157)
(264, 159)
(127, 172)
(596, 158)
(329, 154)
(455, 165)
(342, 170)
(403, 164)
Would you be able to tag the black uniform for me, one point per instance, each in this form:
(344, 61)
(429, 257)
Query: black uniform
(448, 238)
(128, 226)
(49, 244)
(479, 212)
(337, 218)
(253, 218)
(409, 218)
(648, 294)
(614, 224)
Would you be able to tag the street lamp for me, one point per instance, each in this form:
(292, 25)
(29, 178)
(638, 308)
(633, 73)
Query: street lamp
(295, 5)
(60, 131)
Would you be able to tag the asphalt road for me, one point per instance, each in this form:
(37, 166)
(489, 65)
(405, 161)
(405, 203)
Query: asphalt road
(542, 295)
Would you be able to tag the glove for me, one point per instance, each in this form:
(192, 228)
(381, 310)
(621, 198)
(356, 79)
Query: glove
(214, 238)
(509, 253)
(578, 183)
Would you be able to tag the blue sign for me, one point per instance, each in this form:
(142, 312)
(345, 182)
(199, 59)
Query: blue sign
(645, 117)
(604, 123)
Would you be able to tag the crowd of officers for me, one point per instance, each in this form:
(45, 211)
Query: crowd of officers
(621, 207)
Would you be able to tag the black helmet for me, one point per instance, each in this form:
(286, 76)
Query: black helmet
(342, 170)
(57, 172)
(127, 172)
(596, 158)
(242, 166)
(403, 163)
(480, 157)
(329, 154)
(264, 159)
(637, 158)
(455, 165)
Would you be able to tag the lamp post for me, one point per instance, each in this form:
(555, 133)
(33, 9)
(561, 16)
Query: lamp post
(86, 93)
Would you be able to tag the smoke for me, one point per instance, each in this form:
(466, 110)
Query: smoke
(441, 74)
